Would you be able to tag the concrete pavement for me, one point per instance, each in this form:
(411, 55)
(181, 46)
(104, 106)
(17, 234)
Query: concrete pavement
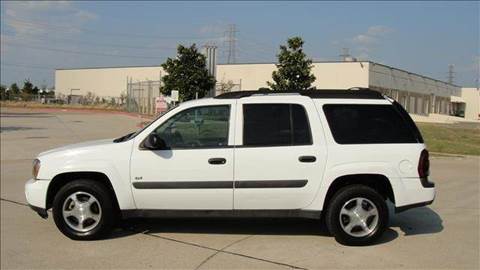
(443, 235)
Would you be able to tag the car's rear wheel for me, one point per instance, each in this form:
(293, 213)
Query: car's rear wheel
(357, 215)
(84, 210)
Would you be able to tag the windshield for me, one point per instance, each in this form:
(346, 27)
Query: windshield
(134, 134)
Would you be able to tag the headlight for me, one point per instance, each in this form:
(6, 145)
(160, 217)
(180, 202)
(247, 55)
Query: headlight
(36, 168)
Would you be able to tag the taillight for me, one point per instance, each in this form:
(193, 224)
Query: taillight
(424, 164)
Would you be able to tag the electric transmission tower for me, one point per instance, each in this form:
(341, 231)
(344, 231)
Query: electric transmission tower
(451, 73)
(231, 40)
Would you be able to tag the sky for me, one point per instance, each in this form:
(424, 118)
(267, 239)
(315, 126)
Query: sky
(421, 37)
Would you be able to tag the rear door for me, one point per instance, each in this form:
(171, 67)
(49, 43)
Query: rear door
(280, 153)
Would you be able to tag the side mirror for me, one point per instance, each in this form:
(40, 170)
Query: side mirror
(154, 142)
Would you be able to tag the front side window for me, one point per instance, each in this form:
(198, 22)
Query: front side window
(275, 125)
(199, 127)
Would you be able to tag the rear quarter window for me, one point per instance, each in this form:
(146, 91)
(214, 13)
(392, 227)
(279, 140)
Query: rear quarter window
(367, 124)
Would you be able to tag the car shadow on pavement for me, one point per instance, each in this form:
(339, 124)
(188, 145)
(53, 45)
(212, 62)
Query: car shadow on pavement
(416, 221)
(218, 226)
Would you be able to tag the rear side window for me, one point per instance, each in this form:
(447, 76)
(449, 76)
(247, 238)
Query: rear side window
(364, 124)
(275, 125)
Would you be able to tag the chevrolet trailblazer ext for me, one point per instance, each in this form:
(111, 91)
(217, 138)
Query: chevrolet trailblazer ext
(332, 153)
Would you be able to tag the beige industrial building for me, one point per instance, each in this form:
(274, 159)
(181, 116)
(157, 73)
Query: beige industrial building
(418, 94)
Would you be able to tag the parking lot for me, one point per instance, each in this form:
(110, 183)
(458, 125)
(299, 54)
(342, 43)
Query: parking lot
(443, 235)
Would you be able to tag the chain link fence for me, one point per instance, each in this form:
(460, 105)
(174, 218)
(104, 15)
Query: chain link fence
(141, 96)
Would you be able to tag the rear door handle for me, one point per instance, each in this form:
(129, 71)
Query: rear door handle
(307, 159)
(217, 161)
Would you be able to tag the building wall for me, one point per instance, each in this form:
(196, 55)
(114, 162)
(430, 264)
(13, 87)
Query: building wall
(329, 75)
(418, 94)
(382, 76)
(103, 82)
(471, 96)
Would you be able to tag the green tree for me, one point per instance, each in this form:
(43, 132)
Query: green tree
(293, 68)
(27, 87)
(14, 89)
(3, 92)
(187, 73)
(50, 93)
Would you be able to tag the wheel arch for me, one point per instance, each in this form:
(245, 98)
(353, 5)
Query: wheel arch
(378, 182)
(62, 179)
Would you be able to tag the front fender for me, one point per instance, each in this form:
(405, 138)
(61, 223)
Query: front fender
(118, 177)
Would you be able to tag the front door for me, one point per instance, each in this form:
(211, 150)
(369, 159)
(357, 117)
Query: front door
(196, 170)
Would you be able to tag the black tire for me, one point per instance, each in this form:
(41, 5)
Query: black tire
(336, 204)
(105, 201)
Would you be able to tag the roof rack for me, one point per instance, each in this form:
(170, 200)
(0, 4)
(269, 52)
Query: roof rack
(362, 93)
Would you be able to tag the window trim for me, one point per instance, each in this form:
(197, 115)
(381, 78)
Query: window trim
(199, 147)
(291, 125)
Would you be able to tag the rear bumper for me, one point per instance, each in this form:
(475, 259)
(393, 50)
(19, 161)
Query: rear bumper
(410, 206)
(418, 192)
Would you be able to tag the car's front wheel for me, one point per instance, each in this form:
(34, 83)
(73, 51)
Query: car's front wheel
(357, 215)
(83, 210)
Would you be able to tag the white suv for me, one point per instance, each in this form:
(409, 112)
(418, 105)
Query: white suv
(332, 153)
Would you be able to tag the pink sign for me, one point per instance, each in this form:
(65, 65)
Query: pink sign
(160, 104)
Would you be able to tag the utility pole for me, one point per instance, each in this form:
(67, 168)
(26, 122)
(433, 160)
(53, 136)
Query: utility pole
(451, 74)
(230, 39)
(345, 54)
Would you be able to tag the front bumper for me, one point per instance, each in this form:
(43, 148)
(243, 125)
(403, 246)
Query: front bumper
(36, 195)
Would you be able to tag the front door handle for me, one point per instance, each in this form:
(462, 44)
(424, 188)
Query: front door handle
(217, 161)
(307, 159)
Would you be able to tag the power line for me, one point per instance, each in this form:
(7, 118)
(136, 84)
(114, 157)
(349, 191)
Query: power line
(25, 66)
(260, 56)
(35, 24)
(258, 44)
(110, 45)
(81, 52)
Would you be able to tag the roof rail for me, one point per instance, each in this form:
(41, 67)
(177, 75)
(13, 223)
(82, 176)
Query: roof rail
(362, 93)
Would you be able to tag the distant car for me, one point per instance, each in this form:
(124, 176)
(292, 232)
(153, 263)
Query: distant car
(332, 153)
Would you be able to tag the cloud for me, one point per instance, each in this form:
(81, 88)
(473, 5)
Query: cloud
(365, 42)
(32, 18)
(372, 35)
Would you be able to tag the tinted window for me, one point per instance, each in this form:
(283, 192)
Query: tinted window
(361, 124)
(197, 127)
(275, 124)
